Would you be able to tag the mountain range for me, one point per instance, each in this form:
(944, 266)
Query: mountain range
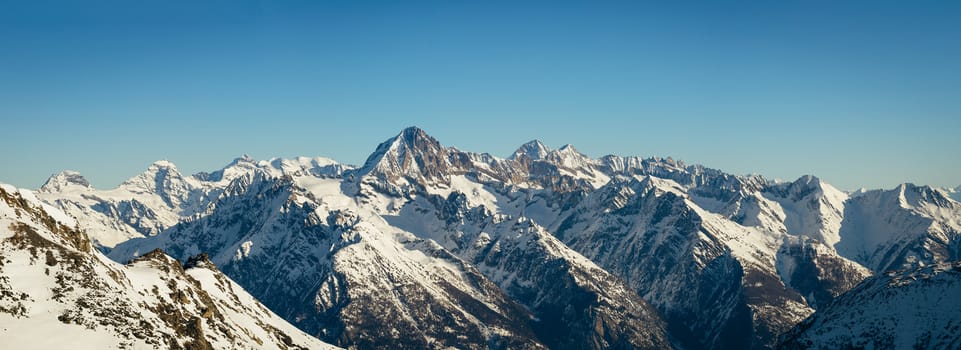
(427, 246)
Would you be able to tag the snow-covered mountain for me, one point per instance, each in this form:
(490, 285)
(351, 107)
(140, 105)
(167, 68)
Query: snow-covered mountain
(57, 291)
(908, 226)
(340, 273)
(908, 309)
(349, 258)
(427, 246)
(720, 283)
(161, 196)
(465, 217)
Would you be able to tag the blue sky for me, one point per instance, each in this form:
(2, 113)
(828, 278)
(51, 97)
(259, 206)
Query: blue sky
(862, 94)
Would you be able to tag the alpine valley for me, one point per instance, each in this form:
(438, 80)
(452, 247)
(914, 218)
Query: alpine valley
(430, 247)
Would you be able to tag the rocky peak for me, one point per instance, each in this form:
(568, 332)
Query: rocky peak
(534, 150)
(410, 141)
(163, 180)
(413, 136)
(201, 260)
(27, 206)
(412, 156)
(157, 255)
(808, 180)
(797, 190)
(156, 173)
(257, 180)
(568, 157)
(64, 180)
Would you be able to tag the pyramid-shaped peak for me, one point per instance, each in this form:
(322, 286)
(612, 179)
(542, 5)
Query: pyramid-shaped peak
(808, 180)
(411, 154)
(160, 168)
(413, 136)
(568, 152)
(412, 130)
(157, 175)
(533, 149)
(64, 179)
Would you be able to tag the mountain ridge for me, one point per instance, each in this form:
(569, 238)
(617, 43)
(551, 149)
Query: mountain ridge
(766, 254)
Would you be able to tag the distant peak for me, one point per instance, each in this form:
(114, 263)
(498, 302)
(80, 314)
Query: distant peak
(412, 154)
(243, 159)
(567, 148)
(916, 195)
(534, 143)
(160, 168)
(153, 178)
(414, 137)
(568, 151)
(64, 179)
(411, 138)
(809, 180)
(163, 163)
(533, 149)
(412, 130)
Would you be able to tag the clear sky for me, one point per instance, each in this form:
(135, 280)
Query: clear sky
(862, 94)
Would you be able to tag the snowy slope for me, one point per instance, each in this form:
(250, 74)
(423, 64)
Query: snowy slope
(57, 291)
(911, 309)
(810, 208)
(340, 272)
(908, 226)
(578, 303)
